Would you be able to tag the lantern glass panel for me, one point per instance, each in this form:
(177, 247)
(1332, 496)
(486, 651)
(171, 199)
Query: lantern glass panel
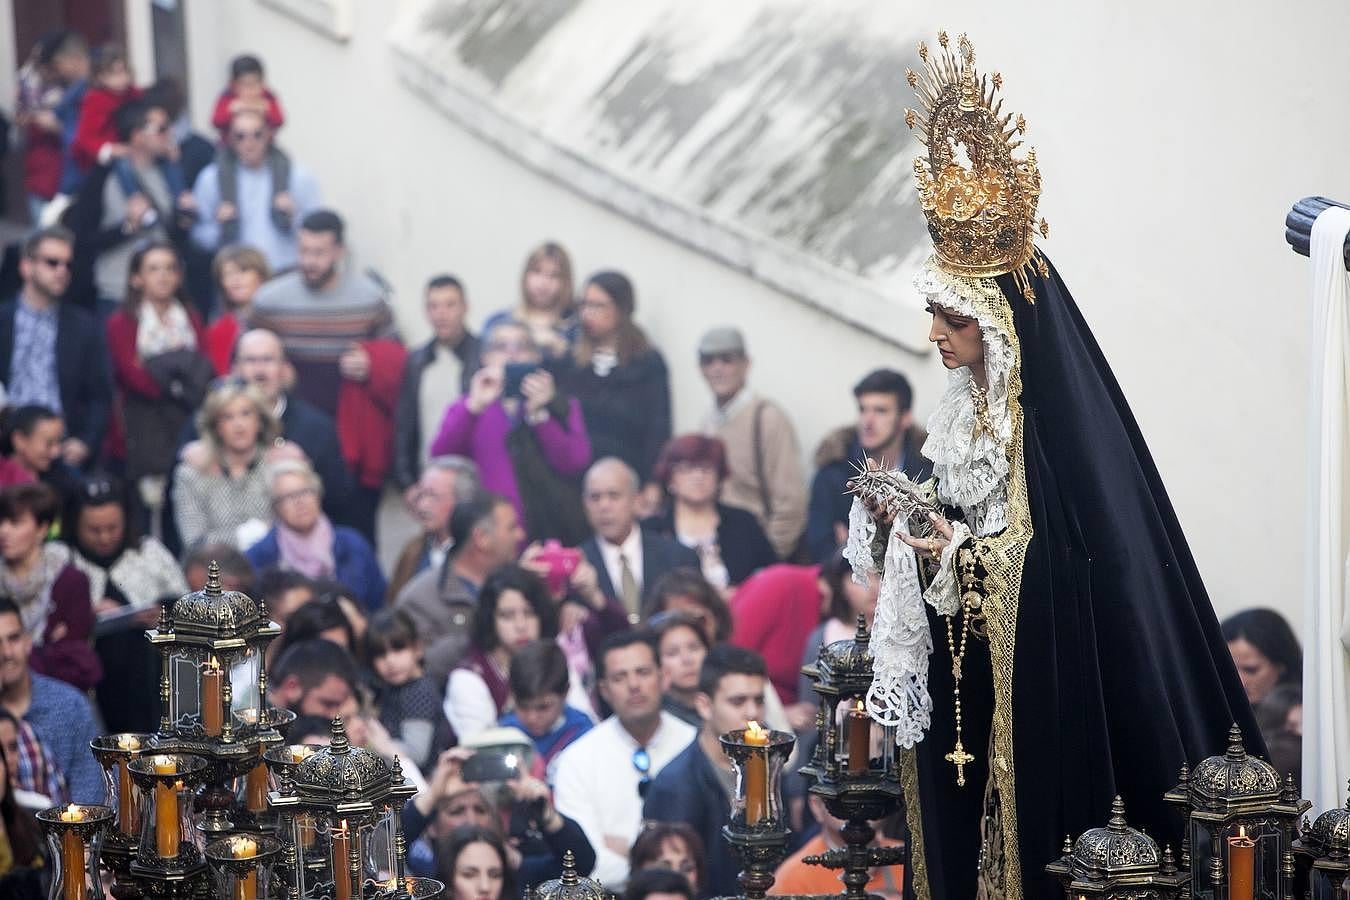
(166, 818)
(859, 741)
(378, 847)
(229, 884)
(76, 874)
(1267, 863)
(185, 689)
(1202, 851)
(245, 704)
(758, 800)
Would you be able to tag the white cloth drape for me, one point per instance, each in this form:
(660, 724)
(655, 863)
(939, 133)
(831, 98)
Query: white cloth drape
(1326, 626)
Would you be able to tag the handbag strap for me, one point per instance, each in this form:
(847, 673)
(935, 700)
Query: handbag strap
(757, 444)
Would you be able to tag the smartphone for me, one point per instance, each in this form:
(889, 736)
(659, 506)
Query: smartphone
(515, 376)
(491, 765)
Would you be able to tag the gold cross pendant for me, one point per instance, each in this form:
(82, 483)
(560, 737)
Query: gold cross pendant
(960, 758)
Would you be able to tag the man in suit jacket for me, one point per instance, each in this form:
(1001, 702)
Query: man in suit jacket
(53, 354)
(627, 559)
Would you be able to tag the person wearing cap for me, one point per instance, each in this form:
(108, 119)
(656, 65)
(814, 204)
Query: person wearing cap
(763, 455)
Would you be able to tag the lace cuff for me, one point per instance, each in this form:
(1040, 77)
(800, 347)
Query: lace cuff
(944, 592)
(858, 551)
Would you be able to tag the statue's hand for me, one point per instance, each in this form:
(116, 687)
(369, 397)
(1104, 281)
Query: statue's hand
(882, 510)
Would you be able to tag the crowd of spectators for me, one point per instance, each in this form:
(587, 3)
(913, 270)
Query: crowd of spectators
(195, 371)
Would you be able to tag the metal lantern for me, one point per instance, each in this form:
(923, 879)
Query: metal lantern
(570, 885)
(346, 803)
(1326, 846)
(114, 752)
(1241, 825)
(242, 865)
(858, 779)
(213, 691)
(758, 830)
(168, 857)
(74, 838)
(1118, 861)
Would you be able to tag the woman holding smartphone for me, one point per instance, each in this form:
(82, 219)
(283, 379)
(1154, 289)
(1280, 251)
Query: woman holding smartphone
(528, 440)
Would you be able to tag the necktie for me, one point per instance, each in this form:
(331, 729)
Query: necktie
(628, 589)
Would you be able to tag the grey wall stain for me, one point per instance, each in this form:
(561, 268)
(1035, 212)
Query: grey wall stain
(836, 183)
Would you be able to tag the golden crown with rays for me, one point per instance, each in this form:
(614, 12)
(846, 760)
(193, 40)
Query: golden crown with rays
(980, 200)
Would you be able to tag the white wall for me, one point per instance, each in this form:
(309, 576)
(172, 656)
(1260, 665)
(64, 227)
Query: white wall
(1172, 139)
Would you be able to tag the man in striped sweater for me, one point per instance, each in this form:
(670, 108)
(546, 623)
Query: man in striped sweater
(329, 319)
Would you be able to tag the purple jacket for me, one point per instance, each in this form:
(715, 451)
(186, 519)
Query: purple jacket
(482, 438)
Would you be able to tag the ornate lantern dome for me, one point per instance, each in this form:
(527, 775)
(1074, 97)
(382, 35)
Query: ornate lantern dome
(1114, 850)
(844, 666)
(570, 886)
(1330, 833)
(1235, 779)
(341, 775)
(216, 616)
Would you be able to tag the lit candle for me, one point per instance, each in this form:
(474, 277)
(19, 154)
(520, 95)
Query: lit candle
(1241, 866)
(126, 797)
(858, 738)
(341, 877)
(211, 702)
(245, 886)
(72, 857)
(300, 753)
(255, 789)
(756, 774)
(166, 810)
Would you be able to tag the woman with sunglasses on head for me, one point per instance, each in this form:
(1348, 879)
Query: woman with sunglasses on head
(126, 572)
(159, 372)
(303, 539)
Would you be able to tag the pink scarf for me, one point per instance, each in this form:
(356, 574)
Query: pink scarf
(309, 554)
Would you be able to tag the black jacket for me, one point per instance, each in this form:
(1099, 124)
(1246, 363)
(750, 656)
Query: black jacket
(408, 416)
(744, 547)
(83, 375)
(627, 412)
(659, 556)
(688, 790)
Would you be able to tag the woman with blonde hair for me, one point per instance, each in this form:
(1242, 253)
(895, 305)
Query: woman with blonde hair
(238, 270)
(303, 539)
(545, 301)
(220, 485)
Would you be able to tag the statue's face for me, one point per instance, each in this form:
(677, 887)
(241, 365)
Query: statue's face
(958, 338)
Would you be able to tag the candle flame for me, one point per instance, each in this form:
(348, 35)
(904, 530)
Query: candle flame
(72, 813)
(243, 848)
(860, 707)
(128, 742)
(1242, 831)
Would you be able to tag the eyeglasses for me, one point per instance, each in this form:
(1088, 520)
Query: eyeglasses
(642, 761)
(54, 262)
(302, 494)
(99, 489)
(726, 359)
(247, 135)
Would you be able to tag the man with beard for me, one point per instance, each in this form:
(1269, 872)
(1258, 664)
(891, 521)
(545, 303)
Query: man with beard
(885, 432)
(338, 333)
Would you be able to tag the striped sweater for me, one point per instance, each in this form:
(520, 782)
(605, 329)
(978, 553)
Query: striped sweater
(317, 327)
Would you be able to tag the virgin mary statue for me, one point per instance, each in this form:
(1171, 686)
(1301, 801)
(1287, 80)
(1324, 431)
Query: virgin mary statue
(1045, 644)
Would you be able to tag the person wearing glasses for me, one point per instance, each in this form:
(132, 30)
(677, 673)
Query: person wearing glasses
(52, 353)
(253, 194)
(601, 779)
(303, 539)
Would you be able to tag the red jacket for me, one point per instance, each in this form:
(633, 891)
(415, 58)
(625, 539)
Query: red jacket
(70, 657)
(220, 117)
(365, 413)
(129, 374)
(95, 126)
(775, 611)
(220, 337)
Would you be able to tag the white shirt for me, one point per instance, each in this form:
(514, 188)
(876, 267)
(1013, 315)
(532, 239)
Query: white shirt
(469, 706)
(631, 548)
(597, 786)
(438, 389)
